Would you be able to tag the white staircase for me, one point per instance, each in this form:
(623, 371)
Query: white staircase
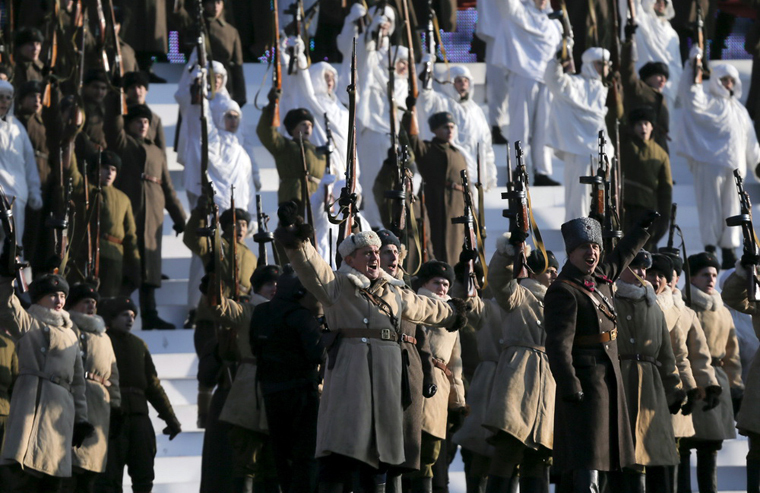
(178, 463)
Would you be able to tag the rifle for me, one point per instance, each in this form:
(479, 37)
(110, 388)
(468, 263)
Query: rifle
(233, 240)
(100, 35)
(347, 200)
(305, 198)
(263, 235)
(672, 229)
(82, 40)
(700, 67)
(52, 52)
(751, 244)
(517, 211)
(411, 71)
(88, 268)
(470, 242)
(567, 36)
(398, 194)
(670, 249)
(423, 225)
(602, 206)
(98, 202)
(9, 228)
(481, 198)
(427, 75)
(117, 65)
(328, 164)
(296, 11)
(6, 36)
(276, 69)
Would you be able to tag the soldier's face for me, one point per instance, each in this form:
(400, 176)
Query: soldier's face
(123, 321)
(30, 51)
(366, 260)
(87, 306)
(232, 121)
(540, 4)
(643, 130)
(462, 85)
(303, 129)
(705, 279)
(6, 100)
(218, 82)
(602, 67)
(96, 91)
(438, 285)
(268, 290)
(445, 132)
(656, 82)
(728, 82)
(213, 8)
(660, 7)
(53, 301)
(241, 231)
(674, 282)
(138, 127)
(32, 103)
(107, 175)
(389, 259)
(585, 257)
(547, 278)
(329, 81)
(629, 275)
(136, 94)
(658, 281)
(402, 66)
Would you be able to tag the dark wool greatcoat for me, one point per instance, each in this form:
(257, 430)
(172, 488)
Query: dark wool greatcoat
(595, 433)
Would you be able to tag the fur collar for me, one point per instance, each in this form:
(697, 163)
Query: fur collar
(88, 323)
(678, 299)
(430, 294)
(50, 317)
(362, 282)
(666, 300)
(535, 287)
(704, 301)
(632, 292)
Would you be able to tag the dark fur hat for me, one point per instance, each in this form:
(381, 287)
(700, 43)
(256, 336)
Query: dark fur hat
(46, 284)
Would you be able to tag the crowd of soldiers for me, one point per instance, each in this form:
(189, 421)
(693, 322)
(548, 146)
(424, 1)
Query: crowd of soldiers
(386, 341)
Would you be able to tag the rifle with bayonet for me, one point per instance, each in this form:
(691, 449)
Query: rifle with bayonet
(517, 211)
(566, 57)
(700, 64)
(51, 58)
(263, 235)
(98, 206)
(233, 242)
(9, 228)
(296, 10)
(118, 66)
(276, 69)
(412, 71)
(672, 250)
(481, 197)
(89, 262)
(305, 196)
(602, 208)
(398, 194)
(100, 35)
(470, 241)
(427, 75)
(751, 244)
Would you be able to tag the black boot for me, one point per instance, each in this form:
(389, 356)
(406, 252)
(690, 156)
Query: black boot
(635, 482)
(500, 484)
(753, 476)
(190, 320)
(684, 474)
(393, 484)
(544, 181)
(150, 318)
(535, 485)
(243, 485)
(496, 136)
(586, 481)
(330, 487)
(707, 471)
(729, 258)
(422, 485)
(475, 484)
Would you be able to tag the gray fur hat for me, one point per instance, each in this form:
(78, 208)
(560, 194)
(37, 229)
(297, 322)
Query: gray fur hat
(358, 240)
(581, 230)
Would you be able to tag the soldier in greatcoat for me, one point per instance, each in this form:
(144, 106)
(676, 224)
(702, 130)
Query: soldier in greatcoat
(136, 86)
(360, 425)
(92, 138)
(650, 377)
(101, 376)
(146, 181)
(592, 433)
(8, 375)
(736, 296)
(146, 32)
(712, 424)
(28, 45)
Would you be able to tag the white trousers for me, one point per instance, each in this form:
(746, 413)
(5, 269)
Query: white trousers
(577, 194)
(496, 96)
(717, 199)
(528, 104)
(196, 267)
(372, 149)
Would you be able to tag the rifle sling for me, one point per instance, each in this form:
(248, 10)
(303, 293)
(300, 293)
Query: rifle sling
(602, 307)
(538, 241)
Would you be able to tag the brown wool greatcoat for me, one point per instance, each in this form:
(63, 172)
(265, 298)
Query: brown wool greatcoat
(143, 165)
(595, 433)
(522, 397)
(360, 413)
(102, 389)
(440, 165)
(718, 325)
(735, 295)
(649, 387)
(145, 28)
(40, 425)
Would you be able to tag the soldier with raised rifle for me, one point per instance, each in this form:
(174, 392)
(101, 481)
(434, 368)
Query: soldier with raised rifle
(92, 138)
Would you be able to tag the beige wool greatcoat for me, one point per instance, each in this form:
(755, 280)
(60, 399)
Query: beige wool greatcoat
(699, 351)
(522, 397)
(40, 425)
(102, 389)
(360, 413)
(735, 295)
(718, 423)
(447, 349)
(649, 386)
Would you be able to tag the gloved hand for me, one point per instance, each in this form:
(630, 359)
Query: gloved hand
(411, 102)
(327, 179)
(287, 213)
(203, 286)
(456, 418)
(630, 29)
(749, 260)
(712, 397)
(274, 96)
(737, 395)
(695, 52)
(574, 398)
(257, 183)
(517, 236)
(467, 255)
(5, 260)
(647, 221)
(35, 202)
(358, 10)
(378, 21)
(429, 390)
(179, 228)
(296, 43)
(173, 428)
(692, 396)
(678, 399)
(82, 430)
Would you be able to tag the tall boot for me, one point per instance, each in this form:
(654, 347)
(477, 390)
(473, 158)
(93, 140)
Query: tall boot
(393, 484)
(586, 480)
(684, 474)
(500, 484)
(330, 487)
(380, 488)
(753, 476)
(150, 318)
(204, 402)
(243, 484)
(266, 486)
(707, 471)
(476, 484)
(422, 485)
(635, 482)
(535, 485)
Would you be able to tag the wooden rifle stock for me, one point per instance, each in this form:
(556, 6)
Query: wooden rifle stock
(118, 65)
(347, 199)
(751, 244)
(699, 67)
(276, 68)
(411, 70)
(423, 224)
(470, 240)
(517, 213)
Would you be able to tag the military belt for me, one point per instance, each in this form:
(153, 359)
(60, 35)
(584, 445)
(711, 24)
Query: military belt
(51, 378)
(535, 347)
(112, 239)
(151, 179)
(383, 334)
(640, 357)
(717, 361)
(132, 390)
(602, 305)
(97, 378)
(441, 365)
(409, 339)
(591, 339)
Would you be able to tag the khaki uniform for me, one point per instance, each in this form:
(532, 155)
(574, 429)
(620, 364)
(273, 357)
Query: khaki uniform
(360, 413)
(25, 71)
(8, 375)
(102, 389)
(128, 59)
(287, 158)
(49, 393)
(650, 377)
(92, 138)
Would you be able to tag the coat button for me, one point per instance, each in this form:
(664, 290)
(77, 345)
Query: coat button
(538, 322)
(501, 341)
(606, 346)
(46, 329)
(600, 320)
(633, 340)
(42, 349)
(540, 303)
(364, 339)
(628, 317)
(366, 321)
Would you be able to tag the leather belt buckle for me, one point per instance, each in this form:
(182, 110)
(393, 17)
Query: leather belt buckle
(613, 334)
(386, 334)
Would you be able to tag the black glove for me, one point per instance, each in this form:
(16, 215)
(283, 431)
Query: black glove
(692, 397)
(467, 255)
(712, 397)
(456, 418)
(5, 259)
(678, 399)
(179, 228)
(429, 390)
(82, 430)
(117, 422)
(574, 398)
(750, 260)
(411, 102)
(517, 236)
(203, 286)
(288, 213)
(737, 395)
(649, 219)
(274, 96)
(630, 30)
(173, 428)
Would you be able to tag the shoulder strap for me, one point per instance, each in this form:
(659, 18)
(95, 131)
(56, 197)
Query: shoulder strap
(609, 313)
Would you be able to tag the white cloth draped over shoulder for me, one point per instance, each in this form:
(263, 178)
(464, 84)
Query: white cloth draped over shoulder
(715, 127)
